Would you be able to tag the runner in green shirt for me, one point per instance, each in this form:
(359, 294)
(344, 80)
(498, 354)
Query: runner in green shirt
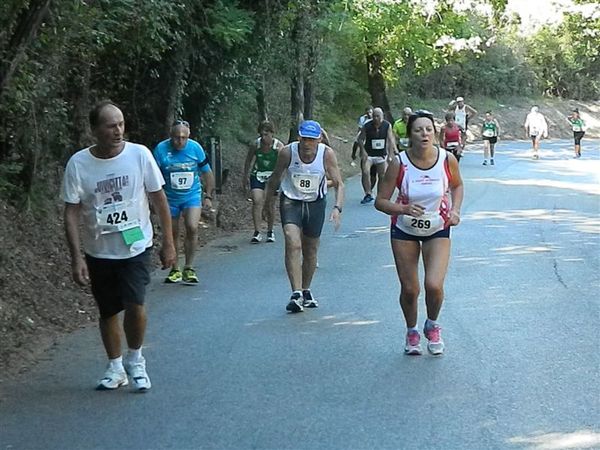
(262, 157)
(489, 131)
(399, 129)
(578, 126)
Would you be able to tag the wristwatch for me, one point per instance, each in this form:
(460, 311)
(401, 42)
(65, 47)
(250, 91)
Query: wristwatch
(338, 208)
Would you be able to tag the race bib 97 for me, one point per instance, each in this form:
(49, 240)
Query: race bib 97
(182, 180)
(488, 133)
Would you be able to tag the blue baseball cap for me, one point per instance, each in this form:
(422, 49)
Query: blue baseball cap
(310, 129)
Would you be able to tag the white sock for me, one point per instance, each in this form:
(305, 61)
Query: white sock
(134, 354)
(297, 292)
(411, 329)
(116, 363)
(430, 323)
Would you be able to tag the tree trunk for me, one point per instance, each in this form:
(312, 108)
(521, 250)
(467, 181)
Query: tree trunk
(377, 86)
(27, 25)
(297, 105)
(261, 103)
(308, 99)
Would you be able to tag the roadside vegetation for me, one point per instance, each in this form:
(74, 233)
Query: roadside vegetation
(224, 65)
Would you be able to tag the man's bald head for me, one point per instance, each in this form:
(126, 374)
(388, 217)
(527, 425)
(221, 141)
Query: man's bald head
(99, 110)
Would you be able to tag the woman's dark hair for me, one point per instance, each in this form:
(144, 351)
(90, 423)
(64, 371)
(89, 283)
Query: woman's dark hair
(266, 126)
(417, 115)
(449, 115)
(94, 116)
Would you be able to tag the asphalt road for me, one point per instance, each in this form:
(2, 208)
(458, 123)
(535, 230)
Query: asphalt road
(231, 370)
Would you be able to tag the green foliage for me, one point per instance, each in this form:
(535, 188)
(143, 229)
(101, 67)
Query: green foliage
(565, 57)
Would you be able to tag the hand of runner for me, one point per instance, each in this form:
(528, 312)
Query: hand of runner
(336, 218)
(453, 219)
(80, 272)
(167, 255)
(414, 210)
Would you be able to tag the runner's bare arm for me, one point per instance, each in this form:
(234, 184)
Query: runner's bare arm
(385, 190)
(360, 139)
(472, 112)
(442, 135)
(161, 207)
(283, 161)
(247, 164)
(391, 142)
(79, 270)
(208, 182)
(456, 190)
(333, 174)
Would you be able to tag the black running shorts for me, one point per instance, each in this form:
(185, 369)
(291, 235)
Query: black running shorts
(309, 216)
(116, 282)
(397, 233)
(577, 135)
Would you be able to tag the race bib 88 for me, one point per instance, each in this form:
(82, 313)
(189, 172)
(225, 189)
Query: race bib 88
(306, 183)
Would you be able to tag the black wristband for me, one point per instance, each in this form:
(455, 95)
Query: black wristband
(207, 197)
(338, 208)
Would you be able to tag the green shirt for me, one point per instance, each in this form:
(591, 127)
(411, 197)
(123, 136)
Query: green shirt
(577, 124)
(489, 129)
(264, 164)
(401, 133)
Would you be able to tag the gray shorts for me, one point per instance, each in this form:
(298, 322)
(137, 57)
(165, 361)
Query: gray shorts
(309, 216)
(116, 282)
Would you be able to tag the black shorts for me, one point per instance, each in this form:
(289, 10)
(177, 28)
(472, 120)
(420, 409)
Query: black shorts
(577, 135)
(256, 184)
(309, 216)
(397, 233)
(116, 282)
(492, 139)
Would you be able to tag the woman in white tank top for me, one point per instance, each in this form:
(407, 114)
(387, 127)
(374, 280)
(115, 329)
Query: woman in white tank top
(428, 203)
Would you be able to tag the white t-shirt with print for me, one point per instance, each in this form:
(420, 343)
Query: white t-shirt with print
(118, 187)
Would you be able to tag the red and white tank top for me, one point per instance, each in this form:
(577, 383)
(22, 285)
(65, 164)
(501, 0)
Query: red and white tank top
(451, 137)
(305, 181)
(425, 187)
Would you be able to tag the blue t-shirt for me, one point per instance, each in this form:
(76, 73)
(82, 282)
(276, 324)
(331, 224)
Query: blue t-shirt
(181, 168)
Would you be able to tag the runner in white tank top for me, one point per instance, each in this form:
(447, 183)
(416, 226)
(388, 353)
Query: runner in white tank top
(305, 181)
(302, 170)
(428, 188)
(421, 221)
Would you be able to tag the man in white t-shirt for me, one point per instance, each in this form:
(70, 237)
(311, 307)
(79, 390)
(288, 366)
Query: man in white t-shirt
(107, 187)
(536, 127)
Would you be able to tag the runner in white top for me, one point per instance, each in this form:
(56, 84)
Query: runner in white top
(536, 127)
(108, 186)
(429, 201)
(463, 114)
(302, 170)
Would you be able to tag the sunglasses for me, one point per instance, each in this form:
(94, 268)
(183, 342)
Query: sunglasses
(185, 123)
(422, 113)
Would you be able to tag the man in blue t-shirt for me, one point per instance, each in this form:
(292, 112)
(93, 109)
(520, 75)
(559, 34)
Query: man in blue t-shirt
(185, 167)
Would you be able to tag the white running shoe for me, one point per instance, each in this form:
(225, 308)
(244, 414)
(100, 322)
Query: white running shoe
(113, 379)
(256, 238)
(413, 343)
(270, 236)
(434, 336)
(295, 303)
(308, 301)
(137, 372)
